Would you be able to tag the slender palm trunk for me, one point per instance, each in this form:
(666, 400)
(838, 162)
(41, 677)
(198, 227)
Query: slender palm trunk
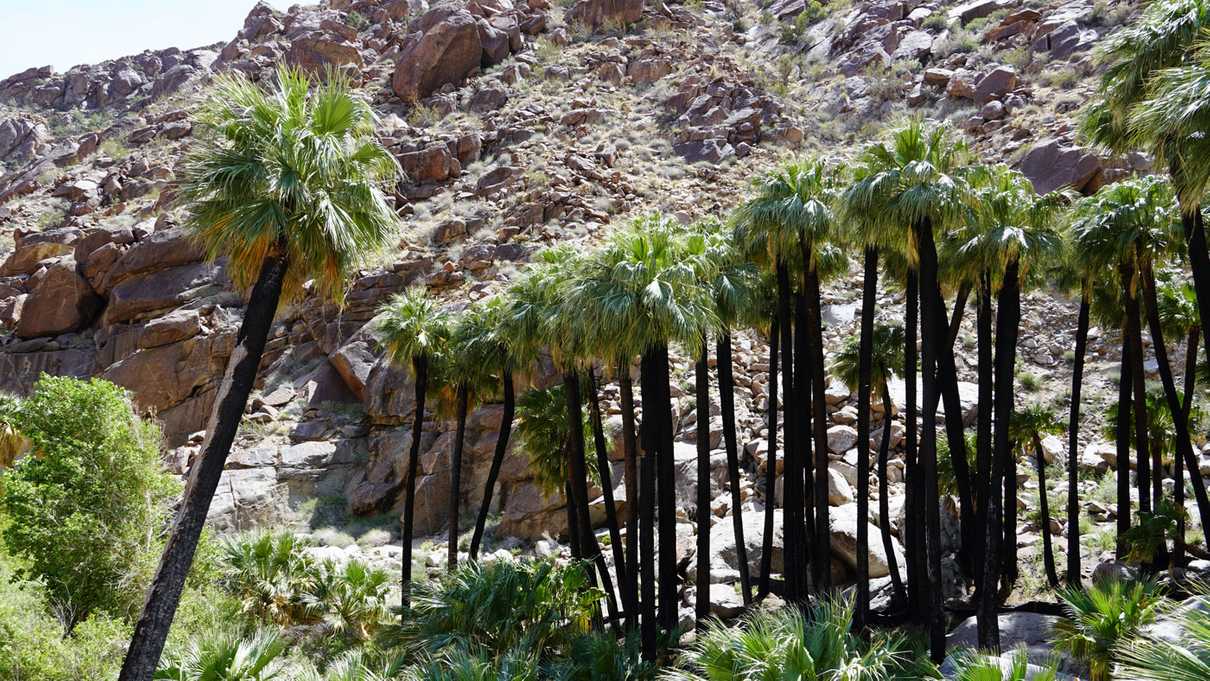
(792, 472)
(1048, 556)
(1073, 444)
(420, 366)
(578, 472)
(766, 545)
(955, 325)
(703, 514)
(151, 631)
(456, 479)
(822, 545)
(726, 395)
(930, 294)
(649, 626)
(864, 368)
(1193, 225)
(1122, 442)
(611, 514)
(802, 439)
(630, 477)
(983, 427)
(1180, 414)
(1008, 325)
(1139, 388)
(1178, 543)
(661, 405)
(884, 513)
(493, 473)
(914, 539)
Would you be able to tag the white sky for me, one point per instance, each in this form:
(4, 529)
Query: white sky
(64, 33)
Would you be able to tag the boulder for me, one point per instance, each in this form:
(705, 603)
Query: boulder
(22, 138)
(445, 53)
(1017, 629)
(318, 50)
(35, 247)
(60, 301)
(997, 83)
(597, 13)
(1051, 164)
(841, 439)
(843, 522)
(977, 9)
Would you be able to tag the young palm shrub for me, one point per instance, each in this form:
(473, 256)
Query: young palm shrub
(542, 432)
(287, 185)
(789, 643)
(268, 575)
(884, 354)
(229, 658)
(1102, 617)
(970, 665)
(1148, 658)
(415, 332)
(356, 599)
(357, 665)
(463, 664)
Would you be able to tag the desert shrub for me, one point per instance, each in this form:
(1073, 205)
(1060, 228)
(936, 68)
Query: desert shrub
(972, 666)
(227, 657)
(87, 508)
(1150, 658)
(1101, 617)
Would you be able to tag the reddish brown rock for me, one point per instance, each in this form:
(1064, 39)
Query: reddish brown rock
(1052, 165)
(60, 301)
(447, 52)
(597, 13)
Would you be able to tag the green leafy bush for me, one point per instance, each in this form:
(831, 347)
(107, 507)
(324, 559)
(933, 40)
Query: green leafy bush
(1101, 617)
(87, 508)
(226, 657)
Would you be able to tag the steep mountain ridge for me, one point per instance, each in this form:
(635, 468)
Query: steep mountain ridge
(519, 125)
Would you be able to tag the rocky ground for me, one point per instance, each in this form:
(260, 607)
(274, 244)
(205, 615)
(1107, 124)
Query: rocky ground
(521, 125)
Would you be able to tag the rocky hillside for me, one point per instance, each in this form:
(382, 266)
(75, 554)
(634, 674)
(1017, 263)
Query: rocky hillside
(519, 124)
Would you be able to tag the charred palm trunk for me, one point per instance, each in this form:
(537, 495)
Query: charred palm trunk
(456, 479)
(1008, 311)
(630, 476)
(884, 513)
(666, 475)
(1178, 543)
(802, 437)
(792, 472)
(611, 514)
(864, 369)
(822, 545)
(766, 545)
(420, 367)
(578, 471)
(1073, 444)
(991, 491)
(914, 539)
(1138, 387)
(1193, 225)
(493, 473)
(702, 403)
(930, 294)
(955, 431)
(1180, 413)
(983, 426)
(649, 632)
(1048, 556)
(726, 395)
(1122, 442)
(151, 631)
(955, 325)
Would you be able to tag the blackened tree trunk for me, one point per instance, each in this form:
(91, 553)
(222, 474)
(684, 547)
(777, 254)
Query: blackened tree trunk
(801, 421)
(1048, 556)
(493, 473)
(1180, 413)
(630, 477)
(1193, 225)
(1178, 543)
(703, 514)
(1073, 443)
(151, 631)
(916, 558)
(955, 430)
(611, 515)
(822, 545)
(792, 472)
(666, 474)
(650, 626)
(1139, 389)
(456, 479)
(990, 486)
(884, 513)
(726, 395)
(955, 325)
(864, 369)
(420, 366)
(1122, 442)
(930, 293)
(1008, 311)
(766, 544)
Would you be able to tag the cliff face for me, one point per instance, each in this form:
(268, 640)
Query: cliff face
(519, 125)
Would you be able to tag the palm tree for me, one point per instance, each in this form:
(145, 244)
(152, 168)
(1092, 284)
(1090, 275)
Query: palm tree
(1014, 234)
(880, 356)
(787, 224)
(1028, 426)
(415, 331)
(498, 348)
(1101, 618)
(1176, 304)
(1148, 658)
(915, 184)
(286, 185)
(228, 657)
